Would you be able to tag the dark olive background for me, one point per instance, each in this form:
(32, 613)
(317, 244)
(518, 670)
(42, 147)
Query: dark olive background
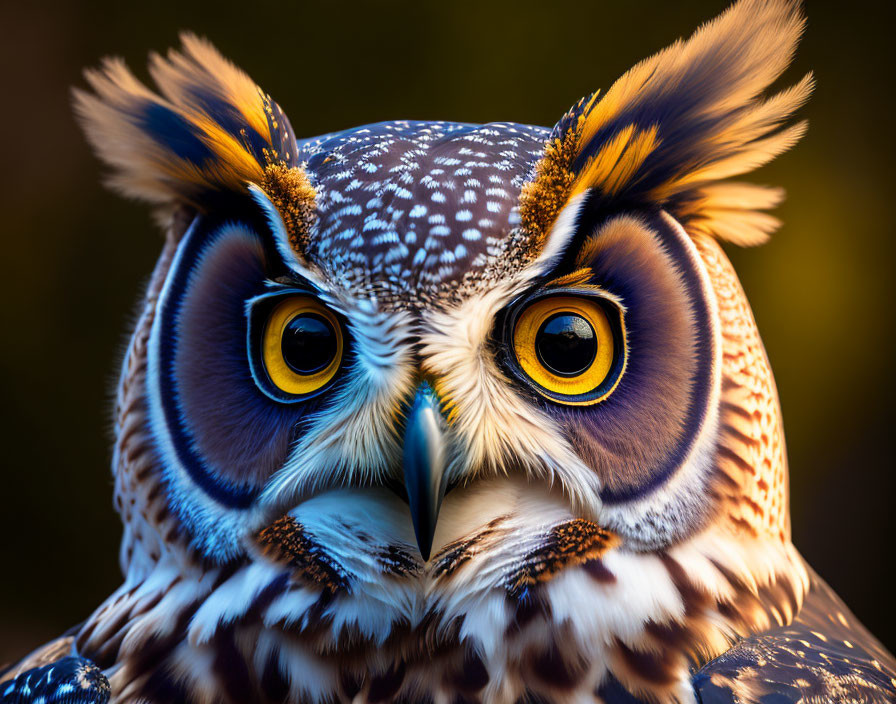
(73, 257)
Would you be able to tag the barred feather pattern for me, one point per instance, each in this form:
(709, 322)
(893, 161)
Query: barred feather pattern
(149, 529)
(751, 462)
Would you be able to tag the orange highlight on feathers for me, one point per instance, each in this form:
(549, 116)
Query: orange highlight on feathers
(674, 127)
(209, 128)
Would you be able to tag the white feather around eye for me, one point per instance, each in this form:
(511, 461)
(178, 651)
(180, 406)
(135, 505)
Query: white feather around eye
(559, 237)
(352, 440)
(496, 428)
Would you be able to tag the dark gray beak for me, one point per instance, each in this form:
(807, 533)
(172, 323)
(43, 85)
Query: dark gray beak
(424, 464)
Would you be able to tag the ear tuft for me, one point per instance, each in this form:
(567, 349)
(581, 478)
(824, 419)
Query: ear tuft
(676, 125)
(209, 129)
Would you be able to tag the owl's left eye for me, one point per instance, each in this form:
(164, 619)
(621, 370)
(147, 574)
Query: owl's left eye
(570, 348)
(302, 346)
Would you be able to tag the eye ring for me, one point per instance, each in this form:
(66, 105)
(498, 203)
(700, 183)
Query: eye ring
(595, 368)
(287, 377)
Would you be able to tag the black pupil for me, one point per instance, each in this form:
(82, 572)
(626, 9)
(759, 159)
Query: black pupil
(566, 344)
(308, 344)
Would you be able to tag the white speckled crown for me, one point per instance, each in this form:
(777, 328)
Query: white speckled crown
(413, 206)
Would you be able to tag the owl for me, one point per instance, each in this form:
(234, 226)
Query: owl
(432, 412)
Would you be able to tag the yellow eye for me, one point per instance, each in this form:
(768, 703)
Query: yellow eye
(568, 346)
(302, 345)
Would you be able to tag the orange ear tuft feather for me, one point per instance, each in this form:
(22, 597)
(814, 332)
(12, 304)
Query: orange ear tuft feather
(210, 128)
(674, 127)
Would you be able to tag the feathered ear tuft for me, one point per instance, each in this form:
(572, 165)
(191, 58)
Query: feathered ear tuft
(676, 125)
(210, 129)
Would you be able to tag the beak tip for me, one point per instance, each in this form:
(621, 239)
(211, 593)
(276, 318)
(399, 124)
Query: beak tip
(424, 531)
(425, 552)
(424, 466)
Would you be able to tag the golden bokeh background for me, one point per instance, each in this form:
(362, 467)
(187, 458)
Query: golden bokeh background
(75, 257)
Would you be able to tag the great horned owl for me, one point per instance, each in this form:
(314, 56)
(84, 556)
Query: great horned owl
(441, 412)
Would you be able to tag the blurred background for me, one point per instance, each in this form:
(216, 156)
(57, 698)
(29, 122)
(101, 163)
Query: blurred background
(75, 257)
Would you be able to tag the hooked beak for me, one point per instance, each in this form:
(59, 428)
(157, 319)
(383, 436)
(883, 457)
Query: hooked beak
(424, 465)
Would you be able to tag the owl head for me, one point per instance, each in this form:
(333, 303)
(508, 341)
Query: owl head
(397, 334)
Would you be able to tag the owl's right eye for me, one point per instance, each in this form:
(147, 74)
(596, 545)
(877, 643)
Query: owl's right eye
(302, 346)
